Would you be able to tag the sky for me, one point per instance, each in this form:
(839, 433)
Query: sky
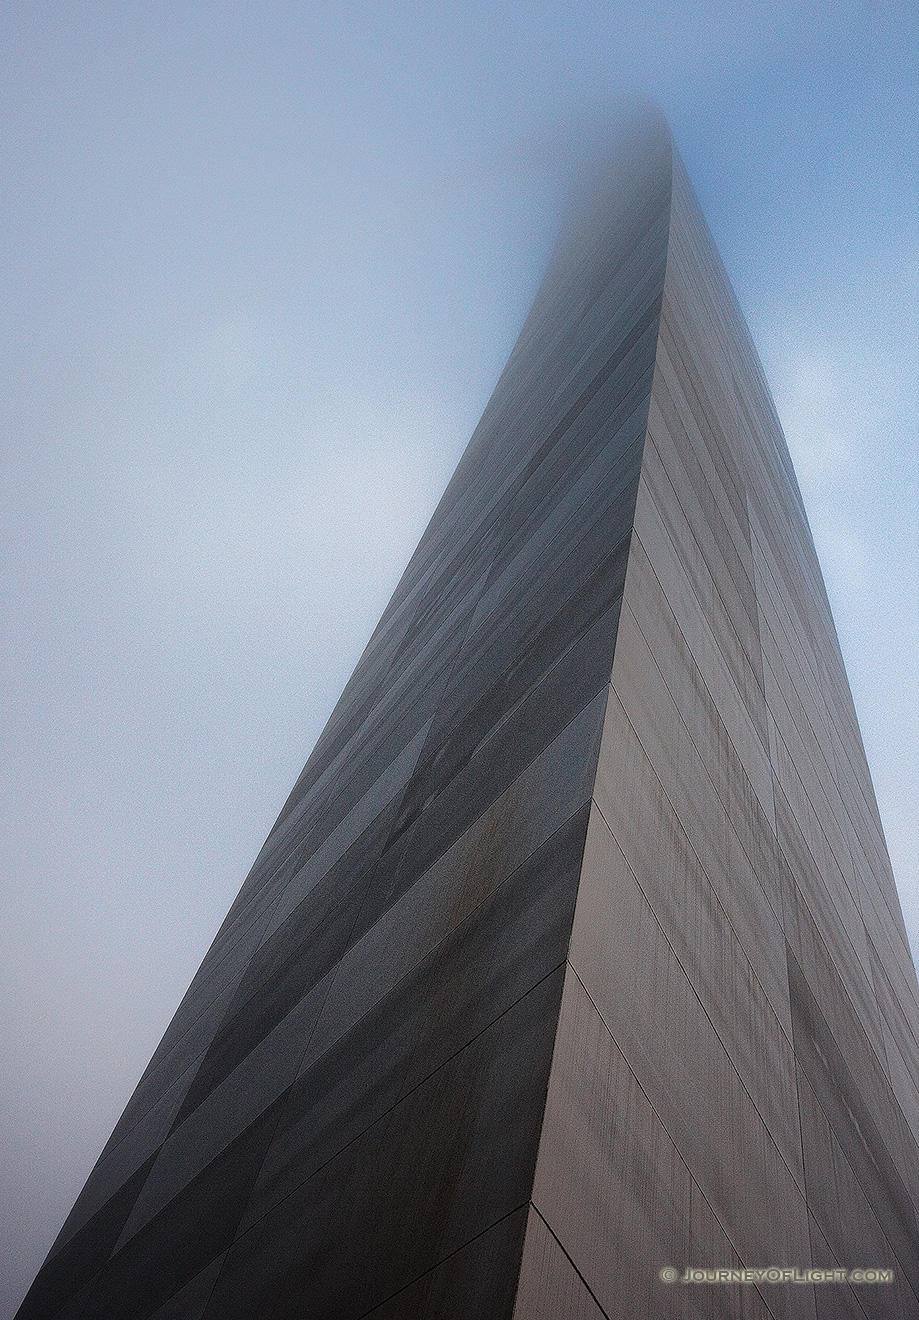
(262, 266)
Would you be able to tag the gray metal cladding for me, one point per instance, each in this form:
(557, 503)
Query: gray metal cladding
(574, 952)
(734, 1076)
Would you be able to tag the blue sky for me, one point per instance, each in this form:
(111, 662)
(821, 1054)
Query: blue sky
(262, 267)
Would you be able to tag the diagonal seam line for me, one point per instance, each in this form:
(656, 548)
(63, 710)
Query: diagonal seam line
(696, 995)
(462, 1247)
(552, 972)
(677, 1151)
(561, 1247)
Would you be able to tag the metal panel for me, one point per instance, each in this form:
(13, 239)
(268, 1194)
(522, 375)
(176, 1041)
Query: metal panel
(575, 950)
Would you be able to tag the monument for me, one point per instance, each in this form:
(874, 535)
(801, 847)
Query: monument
(574, 956)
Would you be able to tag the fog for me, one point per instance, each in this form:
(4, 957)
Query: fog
(262, 269)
